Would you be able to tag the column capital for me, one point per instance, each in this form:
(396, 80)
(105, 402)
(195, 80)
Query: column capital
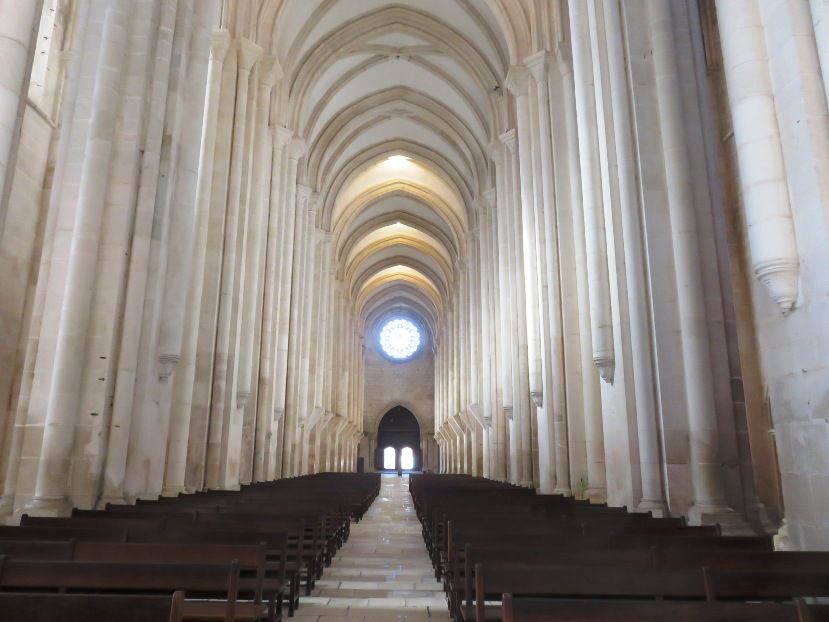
(314, 202)
(508, 138)
(303, 193)
(269, 72)
(297, 147)
(537, 65)
(564, 56)
(281, 135)
(249, 53)
(219, 45)
(518, 80)
(494, 149)
(490, 199)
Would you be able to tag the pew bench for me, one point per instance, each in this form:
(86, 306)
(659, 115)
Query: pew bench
(40, 607)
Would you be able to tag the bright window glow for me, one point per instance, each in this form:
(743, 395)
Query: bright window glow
(407, 459)
(389, 458)
(399, 339)
(397, 160)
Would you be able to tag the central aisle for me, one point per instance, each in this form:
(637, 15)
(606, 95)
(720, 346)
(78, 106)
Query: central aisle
(383, 572)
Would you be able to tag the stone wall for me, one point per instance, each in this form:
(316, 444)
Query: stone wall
(410, 384)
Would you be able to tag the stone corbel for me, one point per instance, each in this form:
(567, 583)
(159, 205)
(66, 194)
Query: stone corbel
(456, 423)
(166, 365)
(564, 58)
(219, 45)
(538, 65)
(476, 414)
(242, 397)
(297, 149)
(517, 81)
(270, 71)
(277, 414)
(248, 53)
(314, 417)
(537, 398)
(508, 413)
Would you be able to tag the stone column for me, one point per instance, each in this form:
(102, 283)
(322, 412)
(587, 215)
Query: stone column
(611, 75)
(52, 484)
(554, 467)
(771, 236)
(19, 21)
(223, 402)
(525, 284)
(518, 84)
(820, 21)
(706, 470)
(601, 321)
(594, 437)
(183, 389)
(267, 365)
(257, 226)
(71, 69)
(291, 236)
(506, 299)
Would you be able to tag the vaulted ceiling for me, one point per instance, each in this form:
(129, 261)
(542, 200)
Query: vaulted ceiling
(398, 103)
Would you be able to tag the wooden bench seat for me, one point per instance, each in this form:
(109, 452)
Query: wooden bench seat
(40, 607)
(561, 610)
(211, 589)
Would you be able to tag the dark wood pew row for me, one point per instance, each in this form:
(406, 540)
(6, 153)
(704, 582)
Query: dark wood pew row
(492, 581)
(487, 539)
(44, 607)
(564, 610)
(275, 533)
(211, 589)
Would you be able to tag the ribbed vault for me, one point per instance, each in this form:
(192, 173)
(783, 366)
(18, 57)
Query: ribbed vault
(397, 103)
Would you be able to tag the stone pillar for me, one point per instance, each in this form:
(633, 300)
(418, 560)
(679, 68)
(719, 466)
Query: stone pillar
(52, 484)
(526, 323)
(255, 422)
(554, 467)
(706, 470)
(292, 235)
(771, 236)
(223, 403)
(601, 322)
(277, 222)
(594, 438)
(19, 21)
(506, 345)
(518, 84)
(820, 21)
(612, 98)
(185, 376)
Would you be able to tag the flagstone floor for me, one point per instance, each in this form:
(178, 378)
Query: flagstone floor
(383, 573)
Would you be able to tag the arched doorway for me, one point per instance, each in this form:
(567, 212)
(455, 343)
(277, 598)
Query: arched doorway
(399, 431)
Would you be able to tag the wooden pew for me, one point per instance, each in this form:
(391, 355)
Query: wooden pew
(613, 583)
(40, 607)
(196, 580)
(563, 610)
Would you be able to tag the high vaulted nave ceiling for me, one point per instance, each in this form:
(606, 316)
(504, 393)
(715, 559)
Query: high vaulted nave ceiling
(398, 103)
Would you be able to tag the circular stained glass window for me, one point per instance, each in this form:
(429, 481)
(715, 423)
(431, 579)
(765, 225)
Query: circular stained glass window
(400, 339)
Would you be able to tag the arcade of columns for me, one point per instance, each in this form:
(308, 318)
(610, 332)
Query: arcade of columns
(608, 218)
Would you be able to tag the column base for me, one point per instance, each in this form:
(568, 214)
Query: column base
(657, 508)
(562, 491)
(111, 500)
(6, 505)
(731, 523)
(47, 506)
(596, 495)
(173, 491)
(782, 539)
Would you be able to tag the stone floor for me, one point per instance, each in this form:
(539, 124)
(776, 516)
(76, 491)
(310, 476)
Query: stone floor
(383, 573)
